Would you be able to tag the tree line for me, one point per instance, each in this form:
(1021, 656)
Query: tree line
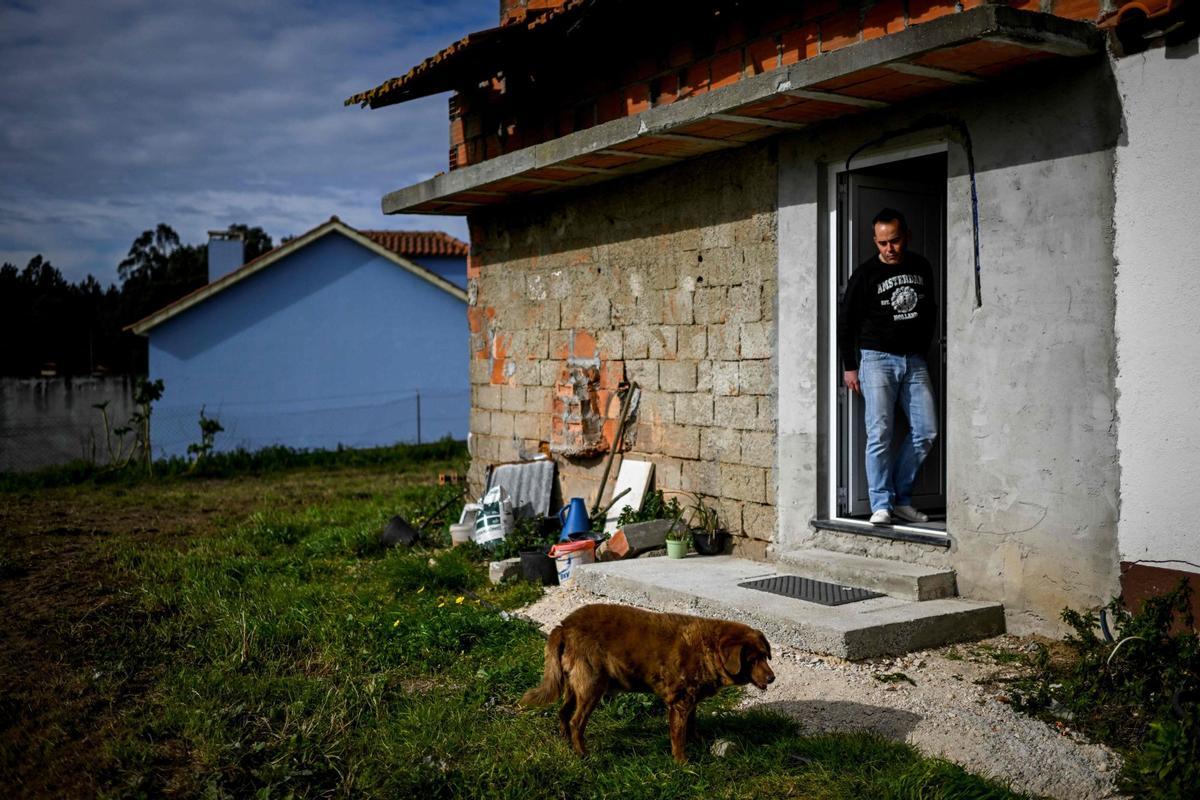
(78, 327)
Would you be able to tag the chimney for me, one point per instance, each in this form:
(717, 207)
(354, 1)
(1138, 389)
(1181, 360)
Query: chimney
(226, 252)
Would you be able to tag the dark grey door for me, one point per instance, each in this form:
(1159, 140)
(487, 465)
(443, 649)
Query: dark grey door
(922, 200)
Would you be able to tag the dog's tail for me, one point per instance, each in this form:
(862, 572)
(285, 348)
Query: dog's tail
(550, 689)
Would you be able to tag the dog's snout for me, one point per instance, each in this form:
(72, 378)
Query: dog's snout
(764, 676)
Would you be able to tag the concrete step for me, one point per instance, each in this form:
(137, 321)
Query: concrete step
(894, 578)
(708, 586)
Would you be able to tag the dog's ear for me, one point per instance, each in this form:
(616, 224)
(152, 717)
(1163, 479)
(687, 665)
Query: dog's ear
(766, 646)
(731, 657)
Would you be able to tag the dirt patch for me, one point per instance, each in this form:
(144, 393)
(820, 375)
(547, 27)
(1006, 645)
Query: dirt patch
(67, 673)
(69, 678)
(946, 702)
(57, 612)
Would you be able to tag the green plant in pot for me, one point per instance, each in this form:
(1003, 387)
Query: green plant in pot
(654, 507)
(705, 527)
(679, 539)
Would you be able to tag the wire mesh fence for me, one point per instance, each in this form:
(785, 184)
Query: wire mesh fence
(420, 416)
(50, 426)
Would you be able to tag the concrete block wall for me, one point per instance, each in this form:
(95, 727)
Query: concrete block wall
(51, 421)
(662, 61)
(666, 279)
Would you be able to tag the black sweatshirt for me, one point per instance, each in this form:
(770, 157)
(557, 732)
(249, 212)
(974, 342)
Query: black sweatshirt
(887, 307)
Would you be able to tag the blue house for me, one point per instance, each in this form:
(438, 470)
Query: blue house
(338, 337)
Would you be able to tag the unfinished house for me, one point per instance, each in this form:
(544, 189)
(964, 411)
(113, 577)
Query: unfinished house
(672, 195)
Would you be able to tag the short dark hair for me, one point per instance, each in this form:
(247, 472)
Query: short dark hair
(890, 215)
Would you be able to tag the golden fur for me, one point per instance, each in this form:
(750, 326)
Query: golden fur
(680, 658)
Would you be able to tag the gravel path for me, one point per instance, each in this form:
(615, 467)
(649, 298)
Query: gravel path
(944, 714)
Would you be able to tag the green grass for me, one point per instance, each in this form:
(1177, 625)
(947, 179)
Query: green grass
(234, 464)
(289, 655)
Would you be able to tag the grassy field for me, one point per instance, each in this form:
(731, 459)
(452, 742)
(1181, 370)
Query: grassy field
(245, 636)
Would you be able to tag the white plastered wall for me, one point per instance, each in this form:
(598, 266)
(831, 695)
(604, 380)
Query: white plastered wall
(1157, 226)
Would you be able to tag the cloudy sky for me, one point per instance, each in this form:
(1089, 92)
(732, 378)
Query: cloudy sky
(116, 115)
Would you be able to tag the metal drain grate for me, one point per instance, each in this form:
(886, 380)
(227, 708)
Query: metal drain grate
(827, 594)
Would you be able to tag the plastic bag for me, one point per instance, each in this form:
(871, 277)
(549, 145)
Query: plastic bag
(494, 521)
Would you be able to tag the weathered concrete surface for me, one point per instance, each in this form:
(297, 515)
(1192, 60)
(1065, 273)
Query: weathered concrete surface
(801, 310)
(876, 547)
(49, 421)
(708, 586)
(1031, 430)
(894, 578)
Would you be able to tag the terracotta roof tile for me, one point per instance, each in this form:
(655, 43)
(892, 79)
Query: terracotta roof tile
(428, 76)
(418, 243)
(402, 243)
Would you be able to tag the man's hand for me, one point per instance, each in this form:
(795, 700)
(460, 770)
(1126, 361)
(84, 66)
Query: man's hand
(850, 378)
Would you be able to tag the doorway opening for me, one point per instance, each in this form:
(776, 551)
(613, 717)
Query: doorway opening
(913, 182)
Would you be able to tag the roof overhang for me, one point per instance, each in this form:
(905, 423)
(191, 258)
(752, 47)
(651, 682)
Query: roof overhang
(477, 56)
(970, 47)
(459, 63)
(334, 225)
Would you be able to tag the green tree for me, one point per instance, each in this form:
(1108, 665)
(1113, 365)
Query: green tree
(148, 255)
(257, 240)
(80, 327)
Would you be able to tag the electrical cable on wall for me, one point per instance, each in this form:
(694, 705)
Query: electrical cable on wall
(961, 127)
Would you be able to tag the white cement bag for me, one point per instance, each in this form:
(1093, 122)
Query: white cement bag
(495, 518)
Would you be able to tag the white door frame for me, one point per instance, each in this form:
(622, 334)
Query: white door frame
(834, 377)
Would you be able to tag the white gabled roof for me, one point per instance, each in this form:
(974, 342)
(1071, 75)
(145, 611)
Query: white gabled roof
(334, 225)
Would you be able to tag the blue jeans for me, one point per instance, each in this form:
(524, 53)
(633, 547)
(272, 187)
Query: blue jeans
(887, 381)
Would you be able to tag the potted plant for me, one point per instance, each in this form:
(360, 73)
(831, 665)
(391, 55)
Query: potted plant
(679, 538)
(705, 527)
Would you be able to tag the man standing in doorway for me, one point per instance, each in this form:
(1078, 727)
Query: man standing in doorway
(888, 316)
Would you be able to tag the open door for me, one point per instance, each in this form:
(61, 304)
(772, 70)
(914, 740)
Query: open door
(917, 188)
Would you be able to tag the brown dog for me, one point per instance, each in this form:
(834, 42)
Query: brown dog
(681, 659)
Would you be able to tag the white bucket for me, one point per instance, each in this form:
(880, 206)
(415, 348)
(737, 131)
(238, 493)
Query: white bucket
(568, 560)
(469, 513)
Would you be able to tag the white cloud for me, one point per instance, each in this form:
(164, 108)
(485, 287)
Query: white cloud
(116, 116)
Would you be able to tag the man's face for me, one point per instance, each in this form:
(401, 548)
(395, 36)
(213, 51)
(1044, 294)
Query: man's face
(891, 239)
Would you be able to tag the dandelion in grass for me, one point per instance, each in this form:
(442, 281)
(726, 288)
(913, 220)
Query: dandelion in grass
(396, 624)
(458, 601)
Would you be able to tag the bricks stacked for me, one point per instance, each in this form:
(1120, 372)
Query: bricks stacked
(686, 56)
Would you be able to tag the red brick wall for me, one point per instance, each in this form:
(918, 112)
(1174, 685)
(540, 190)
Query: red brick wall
(579, 90)
(1139, 582)
(515, 10)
